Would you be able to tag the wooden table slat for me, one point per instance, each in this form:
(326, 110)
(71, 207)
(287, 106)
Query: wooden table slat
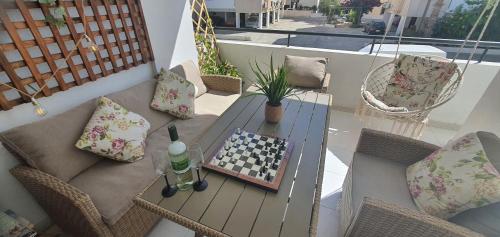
(298, 214)
(198, 203)
(225, 197)
(245, 213)
(153, 193)
(238, 209)
(273, 209)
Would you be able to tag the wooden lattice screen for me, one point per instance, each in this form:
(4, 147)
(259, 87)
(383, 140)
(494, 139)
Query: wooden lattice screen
(31, 50)
(202, 25)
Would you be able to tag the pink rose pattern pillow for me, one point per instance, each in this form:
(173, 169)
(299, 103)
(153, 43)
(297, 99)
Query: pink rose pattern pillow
(417, 82)
(454, 179)
(174, 95)
(115, 133)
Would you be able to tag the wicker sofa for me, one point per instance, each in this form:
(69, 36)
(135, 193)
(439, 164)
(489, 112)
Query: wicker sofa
(87, 195)
(376, 200)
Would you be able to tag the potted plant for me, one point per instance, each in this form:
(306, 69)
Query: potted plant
(274, 86)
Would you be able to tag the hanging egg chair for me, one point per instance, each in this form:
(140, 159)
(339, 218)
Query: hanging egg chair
(406, 89)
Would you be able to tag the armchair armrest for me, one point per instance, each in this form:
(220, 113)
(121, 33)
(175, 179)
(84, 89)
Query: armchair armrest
(393, 147)
(223, 83)
(71, 209)
(378, 218)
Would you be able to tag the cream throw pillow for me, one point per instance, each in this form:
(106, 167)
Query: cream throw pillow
(455, 178)
(115, 133)
(174, 95)
(305, 72)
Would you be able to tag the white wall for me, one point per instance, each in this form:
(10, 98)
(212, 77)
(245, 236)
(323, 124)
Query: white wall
(348, 70)
(486, 114)
(220, 4)
(171, 35)
(170, 31)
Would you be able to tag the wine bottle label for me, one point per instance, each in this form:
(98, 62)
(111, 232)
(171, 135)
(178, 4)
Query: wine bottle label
(180, 165)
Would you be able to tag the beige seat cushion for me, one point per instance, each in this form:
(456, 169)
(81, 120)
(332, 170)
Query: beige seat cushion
(214, 102)
(305, 72)
(48, 145)
(191, 72)
(381, 179)
(112, 191)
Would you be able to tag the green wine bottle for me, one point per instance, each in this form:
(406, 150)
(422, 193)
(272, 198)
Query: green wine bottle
(179, 159)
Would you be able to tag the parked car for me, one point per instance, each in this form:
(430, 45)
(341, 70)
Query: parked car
(374, 27)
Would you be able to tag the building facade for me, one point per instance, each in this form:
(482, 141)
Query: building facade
(245, 13)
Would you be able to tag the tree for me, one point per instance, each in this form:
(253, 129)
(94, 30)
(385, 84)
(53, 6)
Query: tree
(431, 21)
(327, 7)
(458, 24)
(359, 7)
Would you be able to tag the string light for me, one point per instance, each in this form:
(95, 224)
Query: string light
(93, 46)
(38, 108)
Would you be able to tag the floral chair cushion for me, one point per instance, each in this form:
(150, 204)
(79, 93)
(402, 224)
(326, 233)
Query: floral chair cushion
(417, 81)
(455, 178)
(115, 133)
(174, 95)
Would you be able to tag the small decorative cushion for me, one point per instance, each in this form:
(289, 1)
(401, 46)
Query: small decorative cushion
(379, 104)
(417, 81)
(174, 95)
(455, 178)
(305, 72)
(115, 133)
(190, 72)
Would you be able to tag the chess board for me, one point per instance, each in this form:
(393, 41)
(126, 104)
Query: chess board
(257, 159)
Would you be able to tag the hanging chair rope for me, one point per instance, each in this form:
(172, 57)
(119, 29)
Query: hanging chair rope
(462, 46)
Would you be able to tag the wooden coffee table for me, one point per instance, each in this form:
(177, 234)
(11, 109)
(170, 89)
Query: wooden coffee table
(229, 207)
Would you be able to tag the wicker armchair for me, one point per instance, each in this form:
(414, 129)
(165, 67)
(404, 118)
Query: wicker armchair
(74, 211)
(367, 212)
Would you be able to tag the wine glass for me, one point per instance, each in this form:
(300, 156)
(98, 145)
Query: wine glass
(197, 160)
(162, 166)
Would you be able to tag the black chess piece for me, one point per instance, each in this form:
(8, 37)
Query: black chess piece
(268, 177)
(168, 191)
(274, 166)
(258, 161)
(260, 172)
(199, 185)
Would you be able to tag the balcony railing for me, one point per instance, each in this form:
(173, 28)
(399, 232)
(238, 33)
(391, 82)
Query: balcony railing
(484, 46)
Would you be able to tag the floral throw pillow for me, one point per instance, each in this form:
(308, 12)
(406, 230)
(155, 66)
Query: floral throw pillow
(454, 179)
(417, 81)
(115, 133)
(174, 95)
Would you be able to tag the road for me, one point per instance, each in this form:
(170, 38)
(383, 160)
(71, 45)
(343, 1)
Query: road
(317, 23)
(304, 24)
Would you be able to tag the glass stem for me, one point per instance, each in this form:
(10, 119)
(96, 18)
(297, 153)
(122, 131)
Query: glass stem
(198, 173)
(166, 179)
